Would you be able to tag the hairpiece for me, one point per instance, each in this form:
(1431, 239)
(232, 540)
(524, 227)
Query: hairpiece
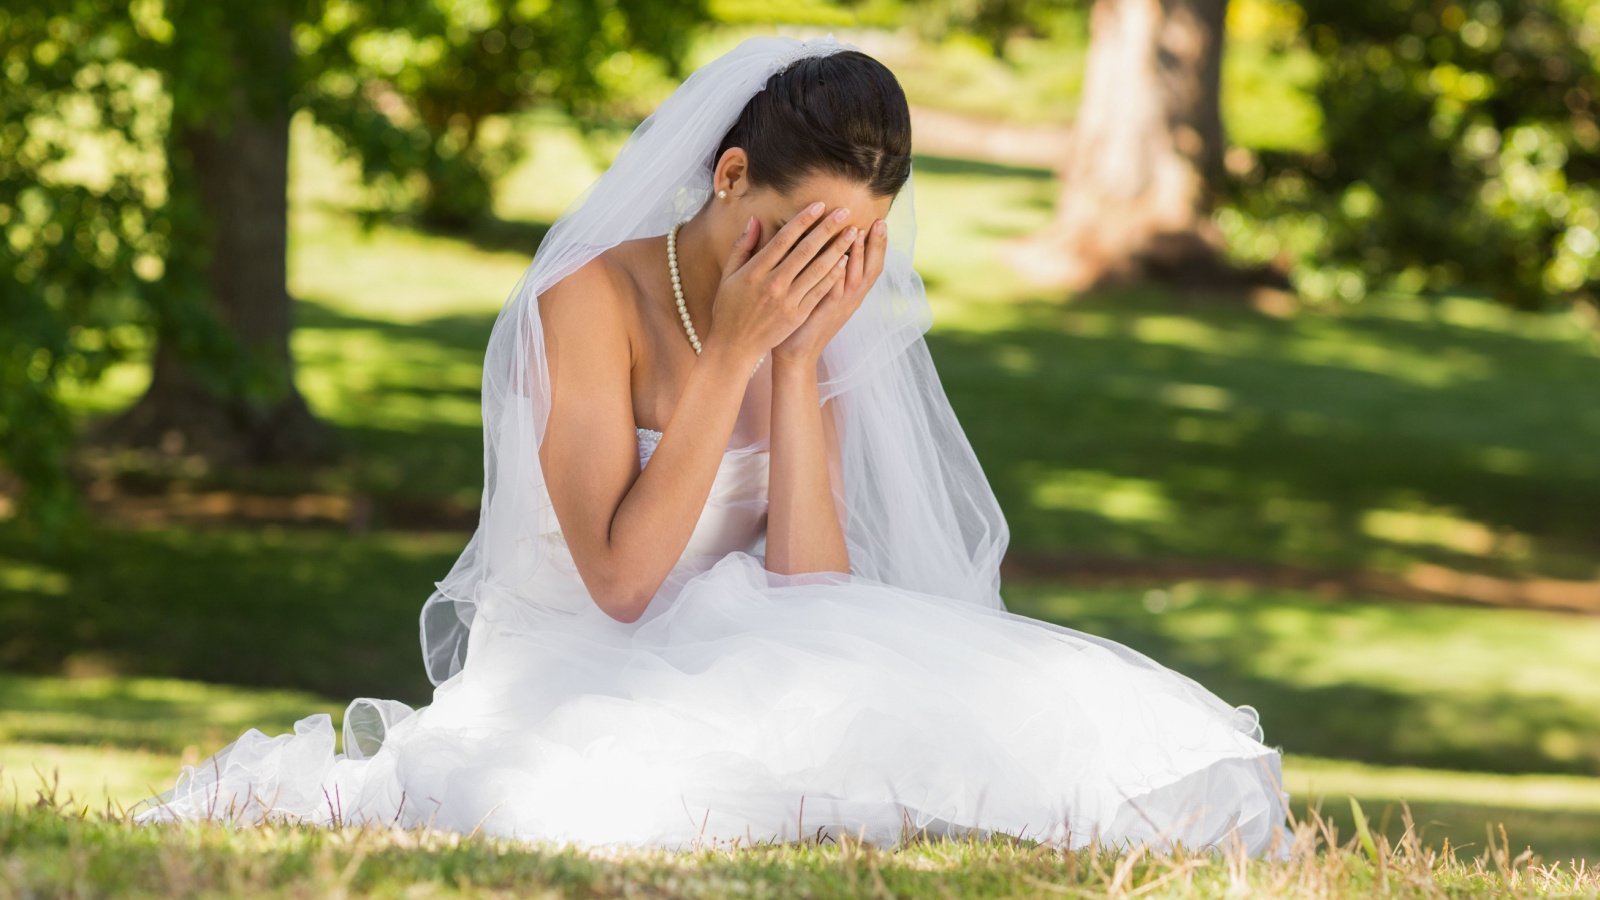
(817, 46)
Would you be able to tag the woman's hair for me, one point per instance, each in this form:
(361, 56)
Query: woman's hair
(842, 113)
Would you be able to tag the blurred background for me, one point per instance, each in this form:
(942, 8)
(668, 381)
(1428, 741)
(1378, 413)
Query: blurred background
(1273, 323)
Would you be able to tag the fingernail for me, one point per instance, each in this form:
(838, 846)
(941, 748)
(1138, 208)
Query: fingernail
(850, 233)
(814, 208)
(842, 213)
(880, 226)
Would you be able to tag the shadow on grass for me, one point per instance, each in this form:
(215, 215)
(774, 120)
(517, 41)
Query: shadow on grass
(493, 234)
(1557, 835)
(1127, 429)
(931, 164)
(1321, 676)
(311, 609)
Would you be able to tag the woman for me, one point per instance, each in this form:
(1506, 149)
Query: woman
(736, 573)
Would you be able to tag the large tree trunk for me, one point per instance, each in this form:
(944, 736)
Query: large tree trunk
(236, 166)
(1136, 196)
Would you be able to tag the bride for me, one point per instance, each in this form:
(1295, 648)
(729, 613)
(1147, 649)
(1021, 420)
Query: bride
(736, 573)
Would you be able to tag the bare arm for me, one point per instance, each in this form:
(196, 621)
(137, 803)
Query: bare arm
(805, 527)
(804, 531)
(627, 528)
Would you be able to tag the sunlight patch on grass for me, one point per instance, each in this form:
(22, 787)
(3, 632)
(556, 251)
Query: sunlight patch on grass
(93, 775)
(1313, 775)
(369, 377)
(1339, 348)
(402, 276)
(1106, 494)
(1184, 331)
(1213, 431)
(1506, 461)
(1389, 682)
(1441, 529)
(1206, 397)
(154, 714)
(20, 575)
(555, 172)
(1016, 360)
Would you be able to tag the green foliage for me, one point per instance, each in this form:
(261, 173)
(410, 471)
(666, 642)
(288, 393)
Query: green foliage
(104, 241)
(1460, 150)
(991, 23)
(417, 96)
(78, 241)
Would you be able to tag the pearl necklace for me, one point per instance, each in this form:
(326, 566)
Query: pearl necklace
(677, 291)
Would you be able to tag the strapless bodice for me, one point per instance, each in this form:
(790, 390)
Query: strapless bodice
(530, 564)
(735, 514)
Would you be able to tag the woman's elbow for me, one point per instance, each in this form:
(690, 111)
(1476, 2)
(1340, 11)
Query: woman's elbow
(623, 598)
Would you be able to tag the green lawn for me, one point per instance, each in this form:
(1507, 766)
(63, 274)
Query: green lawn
(1403, 438)
(51, 849)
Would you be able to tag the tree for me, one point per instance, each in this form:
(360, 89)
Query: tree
(232, 83)
(1460, 151)
(1138, 182)
(81, 255)
(426, 89)
(995, 22)
(181, 232)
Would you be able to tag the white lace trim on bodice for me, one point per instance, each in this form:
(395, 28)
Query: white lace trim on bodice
(648, 439)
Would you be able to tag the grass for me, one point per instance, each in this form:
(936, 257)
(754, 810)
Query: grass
(1385, 440)
(53, 846)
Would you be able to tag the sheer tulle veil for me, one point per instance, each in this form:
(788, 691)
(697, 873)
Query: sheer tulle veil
(919, 512)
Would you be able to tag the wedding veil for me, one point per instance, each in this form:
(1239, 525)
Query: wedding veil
(919, 512)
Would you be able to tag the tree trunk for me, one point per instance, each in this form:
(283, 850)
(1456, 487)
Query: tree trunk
(235, 168)
(1136, 183)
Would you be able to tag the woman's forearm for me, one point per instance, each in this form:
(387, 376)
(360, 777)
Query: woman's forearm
(657, 516)
(803, 528)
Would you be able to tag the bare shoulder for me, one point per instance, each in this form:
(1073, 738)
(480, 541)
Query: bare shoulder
(592, 312)
(600, 289)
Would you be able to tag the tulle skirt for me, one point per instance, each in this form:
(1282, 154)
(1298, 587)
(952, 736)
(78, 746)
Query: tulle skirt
(754, 708)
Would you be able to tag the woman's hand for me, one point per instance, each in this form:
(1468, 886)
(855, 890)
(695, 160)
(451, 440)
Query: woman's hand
(767, 294)
(805, 343)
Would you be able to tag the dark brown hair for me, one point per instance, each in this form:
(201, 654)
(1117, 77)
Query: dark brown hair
(842, 113)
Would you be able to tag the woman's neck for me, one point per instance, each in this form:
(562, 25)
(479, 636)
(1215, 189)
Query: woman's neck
(699, 271)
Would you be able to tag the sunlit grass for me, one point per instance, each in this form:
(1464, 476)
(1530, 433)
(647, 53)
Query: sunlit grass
(57, 844)
(1389, 682)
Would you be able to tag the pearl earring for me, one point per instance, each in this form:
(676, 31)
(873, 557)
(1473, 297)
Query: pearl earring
(723, 194)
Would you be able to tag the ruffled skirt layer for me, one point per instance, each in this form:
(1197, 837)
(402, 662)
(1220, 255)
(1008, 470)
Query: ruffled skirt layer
(753, 708)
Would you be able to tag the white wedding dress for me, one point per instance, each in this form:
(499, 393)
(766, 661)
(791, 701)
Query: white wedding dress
(747, 707)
